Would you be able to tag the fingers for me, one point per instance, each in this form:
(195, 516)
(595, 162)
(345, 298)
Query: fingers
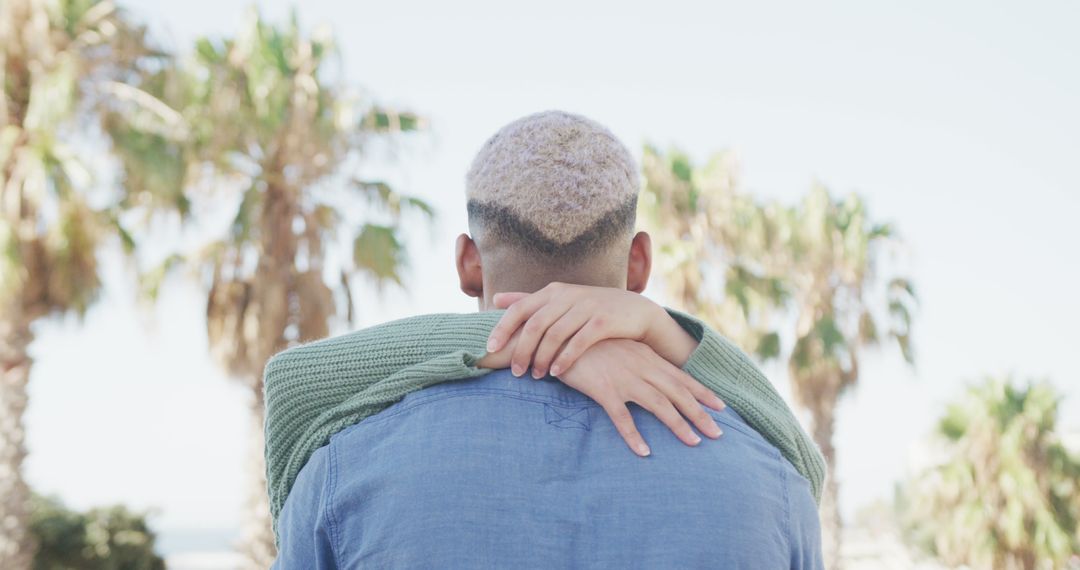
(591, 333)
(687, 404)
(684, 392)
(504, 300)
(653, 400)
(531, 333)
(513, 318)
(624, 424)
(700, 392)
(554, 339)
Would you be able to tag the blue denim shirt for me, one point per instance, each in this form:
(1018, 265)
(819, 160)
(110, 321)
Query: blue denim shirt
(505, 472)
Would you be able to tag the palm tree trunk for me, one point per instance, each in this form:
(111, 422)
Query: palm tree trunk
(824, 420)
(17, 545)
(257, 543)
(270, 294)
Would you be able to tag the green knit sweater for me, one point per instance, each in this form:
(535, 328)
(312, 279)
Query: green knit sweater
(315, 390)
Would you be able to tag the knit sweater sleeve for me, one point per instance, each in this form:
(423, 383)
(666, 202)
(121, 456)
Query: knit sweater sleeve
(731, 374)
(314, 390)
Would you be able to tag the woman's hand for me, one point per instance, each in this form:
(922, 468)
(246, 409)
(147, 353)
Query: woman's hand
(575, 317)
(614, 372)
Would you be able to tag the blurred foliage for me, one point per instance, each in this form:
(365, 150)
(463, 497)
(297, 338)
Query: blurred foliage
(765, 272)
(259, 126)
(712, 246)
(111, 538)
(62, 65)
(254, 124)
(1006, 492)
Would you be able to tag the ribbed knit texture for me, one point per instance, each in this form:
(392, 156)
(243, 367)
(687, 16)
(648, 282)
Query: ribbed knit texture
(731, 374)
(315, 390)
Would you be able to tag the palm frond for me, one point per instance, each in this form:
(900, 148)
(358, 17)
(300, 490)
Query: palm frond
(385, 120)
(378, 252)
(1004, 474)
(150, 282)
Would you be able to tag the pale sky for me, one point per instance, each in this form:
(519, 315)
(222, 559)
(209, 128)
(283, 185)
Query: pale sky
(958, 122)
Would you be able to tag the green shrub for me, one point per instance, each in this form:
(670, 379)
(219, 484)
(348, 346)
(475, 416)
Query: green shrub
(104, 538)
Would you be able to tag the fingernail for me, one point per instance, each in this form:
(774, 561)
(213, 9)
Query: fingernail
(537, 374)
(556, 370)
(517, 370)
(695, 439)
(643, 450)
(491, 345)
(715, 431)
(720, 405)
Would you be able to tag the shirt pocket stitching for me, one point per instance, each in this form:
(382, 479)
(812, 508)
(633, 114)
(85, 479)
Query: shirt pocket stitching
(578, 418)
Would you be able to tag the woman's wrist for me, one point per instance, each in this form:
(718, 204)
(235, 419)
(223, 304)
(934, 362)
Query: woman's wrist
(667, 337)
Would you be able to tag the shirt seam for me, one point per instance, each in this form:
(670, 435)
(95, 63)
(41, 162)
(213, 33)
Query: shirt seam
(787, 504)
(533, 398)
(331, 515)
(577, 401)
(539, 399)
(745, 429)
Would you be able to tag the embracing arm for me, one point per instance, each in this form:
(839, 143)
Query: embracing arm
(313, 390)
(560, 322)
(731, 374)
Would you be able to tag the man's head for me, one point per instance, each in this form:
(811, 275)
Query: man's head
(551, 197)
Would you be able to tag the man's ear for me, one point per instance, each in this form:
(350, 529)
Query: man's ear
(470, 272)
(637, 271)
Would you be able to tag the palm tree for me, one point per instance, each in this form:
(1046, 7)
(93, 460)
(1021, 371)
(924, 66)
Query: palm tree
(716, 245)
(832, 253)
(762, 272)
(59, 63)
(267, 135)
(1006, 493)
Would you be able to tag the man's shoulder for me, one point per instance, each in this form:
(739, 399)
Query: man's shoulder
(361, 347)
(411, 326)
(497, 386)
(486, 390)
(501, 383)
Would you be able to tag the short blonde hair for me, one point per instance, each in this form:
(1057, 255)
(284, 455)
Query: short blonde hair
(555, 183)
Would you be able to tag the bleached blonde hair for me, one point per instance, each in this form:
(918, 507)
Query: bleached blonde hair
(553, 183)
